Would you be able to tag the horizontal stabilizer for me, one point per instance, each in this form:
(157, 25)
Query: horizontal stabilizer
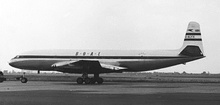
(191, 51)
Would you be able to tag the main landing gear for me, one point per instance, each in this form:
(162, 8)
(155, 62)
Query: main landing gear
(88, 80)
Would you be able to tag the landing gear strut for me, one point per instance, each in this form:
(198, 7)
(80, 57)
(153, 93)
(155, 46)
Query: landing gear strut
(98, 79)
(22, 78)
(88, 80)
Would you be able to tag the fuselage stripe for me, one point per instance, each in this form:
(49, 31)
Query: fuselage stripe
(101, 57)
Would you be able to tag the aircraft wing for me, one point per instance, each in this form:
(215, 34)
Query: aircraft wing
(86, 66)
(112, 67)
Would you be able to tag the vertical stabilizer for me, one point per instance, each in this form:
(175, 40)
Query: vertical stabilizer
(192, 45)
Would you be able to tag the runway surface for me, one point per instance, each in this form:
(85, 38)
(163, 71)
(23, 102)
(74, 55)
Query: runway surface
(109, 93)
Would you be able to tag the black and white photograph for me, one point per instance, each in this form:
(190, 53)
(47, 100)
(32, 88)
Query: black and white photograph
(109, 52)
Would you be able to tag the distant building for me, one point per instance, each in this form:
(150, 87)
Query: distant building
(204, 73)
(5, 71)
(184, 72)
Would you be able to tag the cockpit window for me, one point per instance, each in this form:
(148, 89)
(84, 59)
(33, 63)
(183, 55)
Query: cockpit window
(17, 56)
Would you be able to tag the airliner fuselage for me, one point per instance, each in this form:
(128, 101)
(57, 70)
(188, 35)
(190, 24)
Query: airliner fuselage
(130, 60)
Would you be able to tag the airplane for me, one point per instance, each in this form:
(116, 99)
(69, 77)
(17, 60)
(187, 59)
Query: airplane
(110, 61)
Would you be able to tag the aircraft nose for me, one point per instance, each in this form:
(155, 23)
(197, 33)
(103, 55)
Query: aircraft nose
(12, 63)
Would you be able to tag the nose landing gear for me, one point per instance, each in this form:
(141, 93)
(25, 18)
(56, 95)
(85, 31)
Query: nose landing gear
(22, 78)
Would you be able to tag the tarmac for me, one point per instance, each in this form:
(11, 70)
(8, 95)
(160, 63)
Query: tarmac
(109, 93)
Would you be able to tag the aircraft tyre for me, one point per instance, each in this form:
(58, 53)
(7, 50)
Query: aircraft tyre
(79, 80)
(24, 80)
(92, 81)
(87, 80)
(99, 80)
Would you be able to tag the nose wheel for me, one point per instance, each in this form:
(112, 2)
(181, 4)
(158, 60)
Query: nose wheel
(22, 78)
(85, 79)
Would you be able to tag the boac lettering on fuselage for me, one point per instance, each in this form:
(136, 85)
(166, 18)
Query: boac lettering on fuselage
(87, 54)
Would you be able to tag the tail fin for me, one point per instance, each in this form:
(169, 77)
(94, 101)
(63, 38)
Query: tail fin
(192, 45)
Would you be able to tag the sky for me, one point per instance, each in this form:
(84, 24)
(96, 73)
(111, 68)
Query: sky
(27, 25)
